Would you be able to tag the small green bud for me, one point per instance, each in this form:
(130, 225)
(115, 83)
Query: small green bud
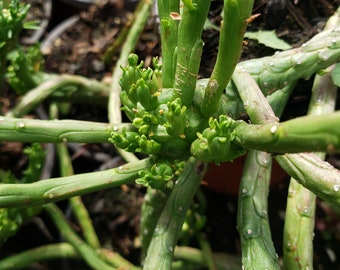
(162, 173)
(145, 96)
(215, 144)
(176, 119)
(131, 74)
(127, 140)
(149, 147)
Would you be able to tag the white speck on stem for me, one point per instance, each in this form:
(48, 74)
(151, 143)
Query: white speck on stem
(115, 128)
(244, 190)
(273, 129)
(21, 125)
(249, 231)
(336, 188)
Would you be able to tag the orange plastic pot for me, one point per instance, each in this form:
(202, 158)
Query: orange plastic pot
(225, 178)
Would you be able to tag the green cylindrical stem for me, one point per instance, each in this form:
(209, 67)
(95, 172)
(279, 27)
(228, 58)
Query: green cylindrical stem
(299, 221)
(46, 191)
(55, 131)
(303, 134)
(60, 86)
(168, 228)
(257, 247)
(90, 255)
(283, 68)
(168, 10)
(137, 27)
(189, 48)
(299, 228)
(152, 207)
(233, 26)
(78, 207)
(43, 253)
(254, 102)
(310, 171)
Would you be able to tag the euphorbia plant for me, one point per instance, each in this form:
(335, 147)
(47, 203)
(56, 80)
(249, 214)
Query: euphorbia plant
(182, 124)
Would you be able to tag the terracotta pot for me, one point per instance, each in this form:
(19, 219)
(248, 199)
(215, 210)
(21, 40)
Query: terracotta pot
(225, 178)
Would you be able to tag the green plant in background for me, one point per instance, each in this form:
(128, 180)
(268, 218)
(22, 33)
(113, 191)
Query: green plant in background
(182, 124)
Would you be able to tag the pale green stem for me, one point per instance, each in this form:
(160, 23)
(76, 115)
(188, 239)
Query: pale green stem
(154, 202)
(302, 134)
(55, 131)
(189, 48)
(78, 207)
(258, 251)
(252, 219)
(63, 85)
(39, 254)
(309, 170)
(129, 45)
(233, 26)
(57, 251)
(299, 221)
(41, 192)
(207, 252)
(222, 260)
(168, 10)
(168, 228)
(90, 255)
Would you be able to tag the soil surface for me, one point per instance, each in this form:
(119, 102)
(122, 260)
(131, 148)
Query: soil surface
(116, 213)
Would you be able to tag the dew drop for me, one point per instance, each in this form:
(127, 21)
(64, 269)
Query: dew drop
(336, 188)
(273, 129)
(244, 190)
(249, 231)
(115, 128)
(21, 125)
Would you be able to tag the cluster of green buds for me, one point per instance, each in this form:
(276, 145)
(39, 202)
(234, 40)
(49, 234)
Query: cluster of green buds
(25, 69)
(162, 173)
(12, 16)
(12, 218)
(163, 126)
(216, 143)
